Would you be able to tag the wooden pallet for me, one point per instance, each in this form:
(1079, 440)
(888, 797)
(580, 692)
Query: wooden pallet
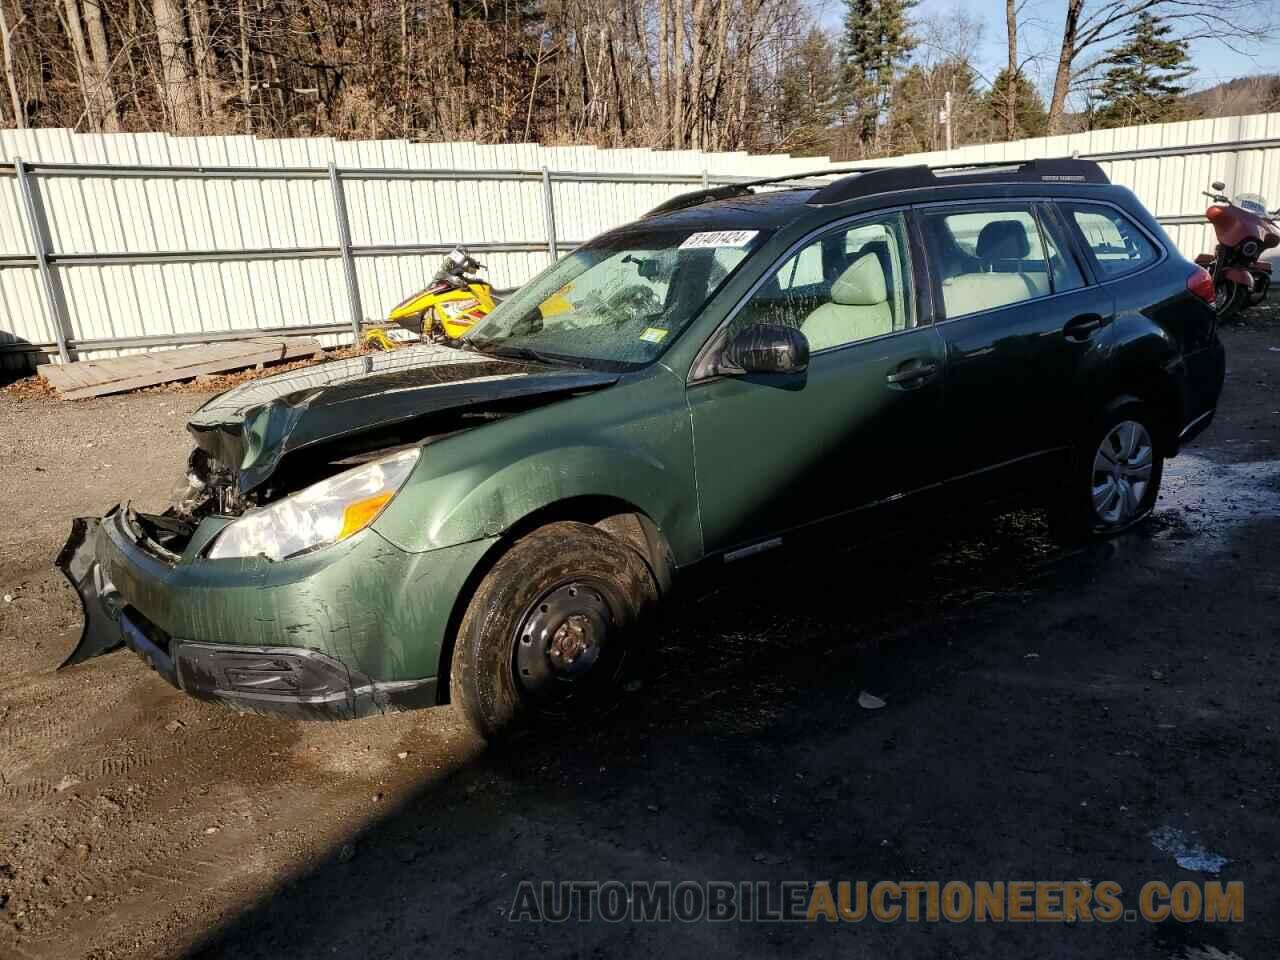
(93, 378)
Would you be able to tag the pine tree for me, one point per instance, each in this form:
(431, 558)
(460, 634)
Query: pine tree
(1142, 82)
(877, 39)
(808, 100)
(1030, 119)
(918, 97)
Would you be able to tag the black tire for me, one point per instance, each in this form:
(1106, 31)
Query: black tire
(1259, 293)
(549, 627)
(1075, 518)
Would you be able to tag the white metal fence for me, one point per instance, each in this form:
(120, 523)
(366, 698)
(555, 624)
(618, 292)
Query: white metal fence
(132, 241)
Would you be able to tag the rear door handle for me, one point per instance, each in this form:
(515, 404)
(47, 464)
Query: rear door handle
(1083, 326)
(912, 373)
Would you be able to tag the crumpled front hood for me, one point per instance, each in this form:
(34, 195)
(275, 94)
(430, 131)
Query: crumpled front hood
(252, 426)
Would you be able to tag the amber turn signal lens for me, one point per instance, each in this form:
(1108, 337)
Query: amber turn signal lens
(360, 514)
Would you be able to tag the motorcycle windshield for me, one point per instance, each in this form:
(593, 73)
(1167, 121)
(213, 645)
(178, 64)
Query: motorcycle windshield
(1253, 202)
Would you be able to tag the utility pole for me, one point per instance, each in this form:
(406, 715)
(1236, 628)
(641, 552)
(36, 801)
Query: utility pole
(945, 117)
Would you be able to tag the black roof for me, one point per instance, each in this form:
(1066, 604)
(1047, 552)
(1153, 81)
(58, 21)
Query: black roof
(749, 211)
(737, 205)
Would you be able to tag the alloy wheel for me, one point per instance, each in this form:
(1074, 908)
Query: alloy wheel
(1122, 473)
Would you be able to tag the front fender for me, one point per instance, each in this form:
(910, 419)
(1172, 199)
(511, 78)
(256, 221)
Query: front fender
(474, 503)
(631, 442)
(411, 306)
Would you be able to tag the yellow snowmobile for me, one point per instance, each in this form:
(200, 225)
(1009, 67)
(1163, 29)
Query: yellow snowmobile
(446, 309)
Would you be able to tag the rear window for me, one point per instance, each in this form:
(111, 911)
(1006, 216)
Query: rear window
(1119, 246)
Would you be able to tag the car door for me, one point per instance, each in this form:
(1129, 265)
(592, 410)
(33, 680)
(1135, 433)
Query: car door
(1018, 318)
(774, 452)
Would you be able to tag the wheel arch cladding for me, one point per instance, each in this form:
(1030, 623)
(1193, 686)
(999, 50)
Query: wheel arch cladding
(620, 519)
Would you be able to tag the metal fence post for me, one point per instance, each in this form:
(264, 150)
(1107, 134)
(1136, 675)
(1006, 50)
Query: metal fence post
(348, 259)
(549, 211)
(706, 179)
(40, 240)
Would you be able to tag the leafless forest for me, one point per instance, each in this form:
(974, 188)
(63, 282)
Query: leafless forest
(702, 74)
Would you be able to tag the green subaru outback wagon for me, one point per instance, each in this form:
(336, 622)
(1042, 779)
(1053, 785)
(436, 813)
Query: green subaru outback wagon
(493, 520)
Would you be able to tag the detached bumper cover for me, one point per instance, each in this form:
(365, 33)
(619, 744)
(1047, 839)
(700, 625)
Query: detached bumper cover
(296, 681)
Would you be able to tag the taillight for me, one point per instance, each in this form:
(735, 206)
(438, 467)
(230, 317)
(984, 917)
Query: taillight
(1201, 284)
(1213, 213)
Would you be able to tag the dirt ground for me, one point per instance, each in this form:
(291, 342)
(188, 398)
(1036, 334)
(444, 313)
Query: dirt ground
(1050, 715)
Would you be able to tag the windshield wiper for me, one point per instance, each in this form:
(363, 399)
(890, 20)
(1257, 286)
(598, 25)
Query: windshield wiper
(528, 353)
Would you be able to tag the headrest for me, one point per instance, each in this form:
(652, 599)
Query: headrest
(862, 284)
(1003, 240)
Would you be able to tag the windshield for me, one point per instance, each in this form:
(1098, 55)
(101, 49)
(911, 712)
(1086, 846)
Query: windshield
(618, 301)
(1252, 202)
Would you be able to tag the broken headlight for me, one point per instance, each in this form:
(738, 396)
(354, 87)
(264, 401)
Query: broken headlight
(324, 513)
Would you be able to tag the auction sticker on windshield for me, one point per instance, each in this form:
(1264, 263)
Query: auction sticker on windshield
(654, 335)
(718, 238)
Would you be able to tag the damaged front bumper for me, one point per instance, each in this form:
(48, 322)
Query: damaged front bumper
(345, 632)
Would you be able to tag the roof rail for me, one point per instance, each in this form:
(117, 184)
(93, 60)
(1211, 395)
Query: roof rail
(886, 179)
(864, 181)
(742, 188)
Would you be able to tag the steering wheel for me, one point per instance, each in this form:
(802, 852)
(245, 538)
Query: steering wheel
(632, 302)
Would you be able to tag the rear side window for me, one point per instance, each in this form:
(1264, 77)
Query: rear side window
(987, 258)
(1118, 246)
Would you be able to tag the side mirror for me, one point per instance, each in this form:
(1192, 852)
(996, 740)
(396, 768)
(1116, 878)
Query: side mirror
(766, 348)
(1218, 186)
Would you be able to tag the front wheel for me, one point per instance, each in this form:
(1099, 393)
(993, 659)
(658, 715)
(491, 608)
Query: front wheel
(1114, 479)
(549, 627)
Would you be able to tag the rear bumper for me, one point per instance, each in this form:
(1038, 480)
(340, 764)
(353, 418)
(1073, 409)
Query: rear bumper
(354, 632)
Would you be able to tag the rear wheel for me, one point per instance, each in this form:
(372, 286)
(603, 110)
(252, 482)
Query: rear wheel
(1114, 479)
(549, 627)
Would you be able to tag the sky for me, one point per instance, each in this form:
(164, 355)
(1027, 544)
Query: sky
(1040, 32)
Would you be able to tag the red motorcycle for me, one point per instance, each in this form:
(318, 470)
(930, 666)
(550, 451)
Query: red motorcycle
(1244, 229)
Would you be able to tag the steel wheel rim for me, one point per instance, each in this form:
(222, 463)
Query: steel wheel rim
(562, 639)
(1122, 469)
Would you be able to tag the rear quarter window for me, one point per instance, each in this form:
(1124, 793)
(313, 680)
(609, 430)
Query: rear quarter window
(1119, 246)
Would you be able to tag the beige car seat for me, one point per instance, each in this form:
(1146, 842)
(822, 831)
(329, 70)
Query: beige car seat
(1002, 243)
(859, 307)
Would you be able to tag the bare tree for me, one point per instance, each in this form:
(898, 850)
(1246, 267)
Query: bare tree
(93, 63)
(178, 89)
(1011, 88)
(10, 73)
(1090, 27)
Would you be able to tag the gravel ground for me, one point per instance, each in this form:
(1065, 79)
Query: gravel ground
(1047, 713)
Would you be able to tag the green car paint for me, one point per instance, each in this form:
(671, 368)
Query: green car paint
(714, 464)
